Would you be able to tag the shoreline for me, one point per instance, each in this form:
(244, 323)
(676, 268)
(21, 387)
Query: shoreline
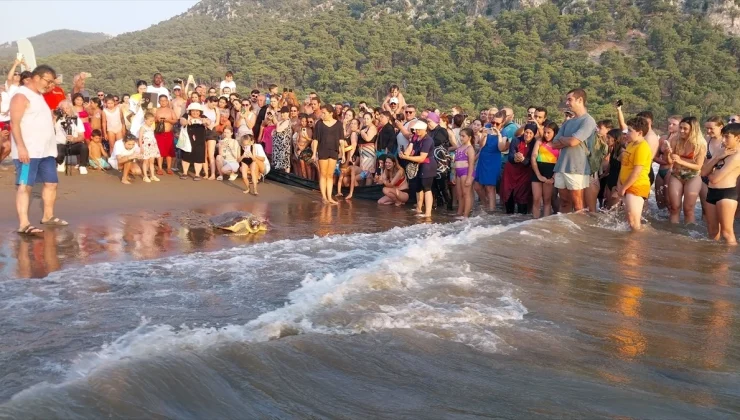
(101, 194)
(112, 223)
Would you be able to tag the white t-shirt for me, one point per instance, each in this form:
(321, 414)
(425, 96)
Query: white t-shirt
(259, 151)
(159, 91)
(5, 101)
(401, 139)
(4, 107)
(61, 135)
(230, 84)
(119, 149)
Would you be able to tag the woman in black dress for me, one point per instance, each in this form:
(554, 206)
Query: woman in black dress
(193, 122)
(325, 146)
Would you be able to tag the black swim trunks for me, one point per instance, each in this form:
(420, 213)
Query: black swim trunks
(715, 195)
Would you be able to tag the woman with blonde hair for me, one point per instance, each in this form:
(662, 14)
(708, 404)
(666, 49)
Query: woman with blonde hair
(687, 154)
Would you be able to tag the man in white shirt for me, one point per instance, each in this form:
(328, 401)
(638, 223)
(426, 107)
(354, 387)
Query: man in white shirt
(125, 157)
(70, 137)
(158, 86)
(33, 149)
(228, 82)
(404, 133)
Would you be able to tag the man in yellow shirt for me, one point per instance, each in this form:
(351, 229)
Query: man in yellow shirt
(634, 179)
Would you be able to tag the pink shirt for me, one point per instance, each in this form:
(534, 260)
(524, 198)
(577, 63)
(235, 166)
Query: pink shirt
(267, 138)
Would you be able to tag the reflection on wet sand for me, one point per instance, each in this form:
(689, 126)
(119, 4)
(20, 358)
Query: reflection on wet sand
(148, 236)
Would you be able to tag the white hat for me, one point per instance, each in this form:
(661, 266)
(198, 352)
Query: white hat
(394, 100)
(195, 107)
(419, 125)
(177, 87)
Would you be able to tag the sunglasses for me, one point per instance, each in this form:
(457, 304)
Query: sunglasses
(409, 112)
(245, 104)
(100, 95)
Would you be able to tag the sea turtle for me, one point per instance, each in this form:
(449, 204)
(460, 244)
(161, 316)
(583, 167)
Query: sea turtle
(239, 221)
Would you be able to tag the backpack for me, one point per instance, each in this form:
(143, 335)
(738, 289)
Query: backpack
(596, 154)
(442, 156)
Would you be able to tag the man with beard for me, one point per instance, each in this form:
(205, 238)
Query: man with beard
(158, 86)
(33, 149)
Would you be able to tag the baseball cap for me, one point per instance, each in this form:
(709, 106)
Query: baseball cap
(394, 100)
(419, 125)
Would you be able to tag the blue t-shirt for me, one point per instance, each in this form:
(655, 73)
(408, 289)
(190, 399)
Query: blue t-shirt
(574, 159)
(427, 169)
(509, 131)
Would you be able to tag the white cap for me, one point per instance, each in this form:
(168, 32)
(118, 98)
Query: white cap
(394, 100)
(195, 107)
(419, 125)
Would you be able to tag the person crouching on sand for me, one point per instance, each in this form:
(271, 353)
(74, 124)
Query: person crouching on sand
(723, 171)
(98, 155)
(229, 153)
(254, 162)
(634, 179)
(393, 179)
(126, 156)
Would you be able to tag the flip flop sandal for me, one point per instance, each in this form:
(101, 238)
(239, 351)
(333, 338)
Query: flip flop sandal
(219, 178)
(169, 172)
(183, 177)
(197, 178)
(30, 230)
(54, 221)
(160, 172)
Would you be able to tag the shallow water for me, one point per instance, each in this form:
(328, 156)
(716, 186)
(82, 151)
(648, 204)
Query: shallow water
(376, 317)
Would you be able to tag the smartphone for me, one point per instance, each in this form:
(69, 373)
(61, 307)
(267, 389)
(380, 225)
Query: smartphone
(377, 171)
(267, 99)
(487, 125)
(61, 78)
(620, 103)
(19, 56)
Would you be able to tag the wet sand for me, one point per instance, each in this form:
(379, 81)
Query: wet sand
(101, 194)
(111, 222)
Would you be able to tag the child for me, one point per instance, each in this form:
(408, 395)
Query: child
(723, 171)
(95, 115)
(148, 147)
(229, 153)
(228, 82)
(98, 155)
(634, 181)
(126, 156)
(225, 91)
(113, 125)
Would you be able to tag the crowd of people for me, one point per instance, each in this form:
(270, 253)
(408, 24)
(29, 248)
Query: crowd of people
(440, 159)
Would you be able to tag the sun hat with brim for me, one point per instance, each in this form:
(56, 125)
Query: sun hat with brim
(195, 107)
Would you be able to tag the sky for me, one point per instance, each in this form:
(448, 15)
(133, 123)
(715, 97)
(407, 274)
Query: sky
(112, 17)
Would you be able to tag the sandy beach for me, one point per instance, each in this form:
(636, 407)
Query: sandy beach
(112, 222)
(100, 194)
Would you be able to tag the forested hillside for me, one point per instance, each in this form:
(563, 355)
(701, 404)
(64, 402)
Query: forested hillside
(652, 58)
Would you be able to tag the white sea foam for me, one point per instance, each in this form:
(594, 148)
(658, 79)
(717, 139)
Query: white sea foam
(394, 289)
